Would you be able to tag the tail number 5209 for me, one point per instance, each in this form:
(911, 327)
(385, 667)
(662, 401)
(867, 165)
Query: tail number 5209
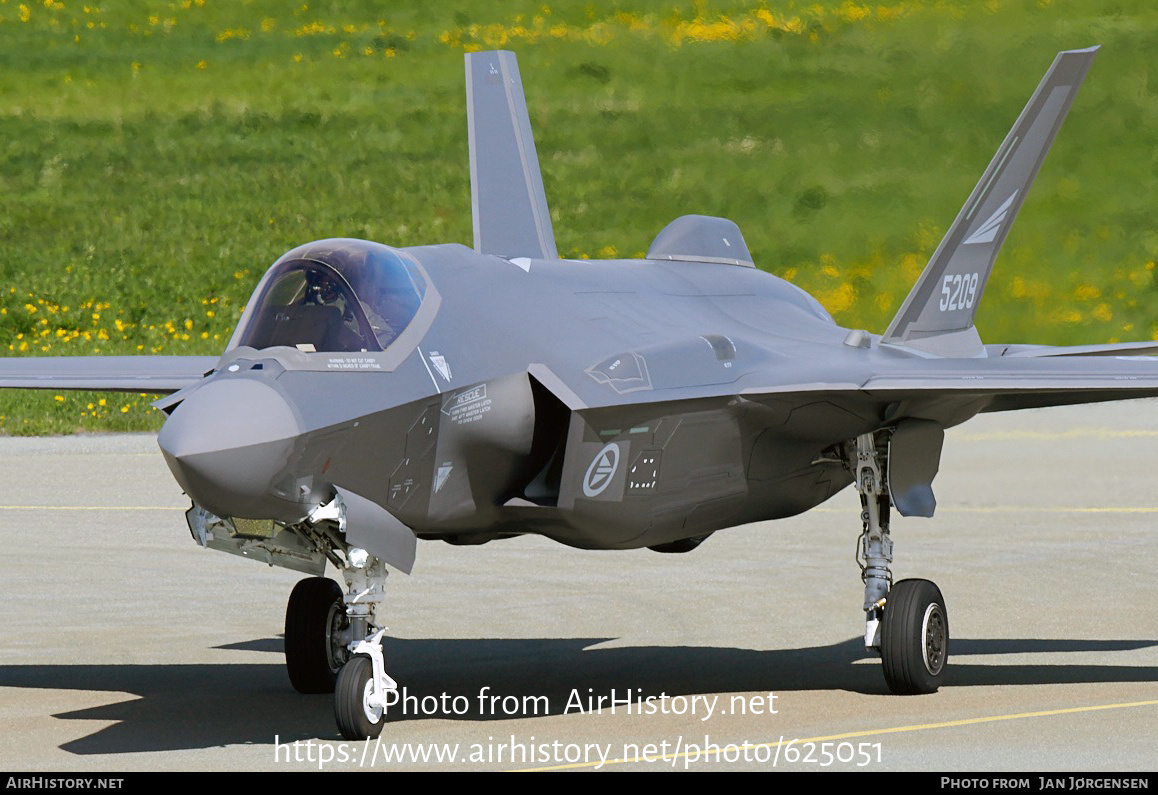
(958, 291)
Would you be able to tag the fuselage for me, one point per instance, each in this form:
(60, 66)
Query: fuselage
(600, 403)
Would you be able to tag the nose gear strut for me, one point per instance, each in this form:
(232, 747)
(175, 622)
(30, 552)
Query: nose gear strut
(361, 693)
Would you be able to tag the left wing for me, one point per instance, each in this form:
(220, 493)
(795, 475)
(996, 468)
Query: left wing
(152, 374)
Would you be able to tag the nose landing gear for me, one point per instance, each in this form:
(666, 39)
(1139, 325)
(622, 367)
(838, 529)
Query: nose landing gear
(333, 644)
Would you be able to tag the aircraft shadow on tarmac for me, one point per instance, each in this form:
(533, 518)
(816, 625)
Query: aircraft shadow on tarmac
(210, 705)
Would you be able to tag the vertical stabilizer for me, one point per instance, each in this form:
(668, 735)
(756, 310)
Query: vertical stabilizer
(506, 189)
(937, 316)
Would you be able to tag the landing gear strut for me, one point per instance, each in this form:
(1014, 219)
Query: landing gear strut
(362, 690)
(333, 644)
(906, 623)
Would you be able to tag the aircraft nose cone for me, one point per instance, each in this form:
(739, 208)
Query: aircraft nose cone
(228, 444)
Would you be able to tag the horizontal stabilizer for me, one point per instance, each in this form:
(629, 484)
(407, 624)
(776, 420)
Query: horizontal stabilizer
(152, 374)
(937, 316)
(1102, 349)
(508, 204)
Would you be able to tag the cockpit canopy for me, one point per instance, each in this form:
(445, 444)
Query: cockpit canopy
(337, 295)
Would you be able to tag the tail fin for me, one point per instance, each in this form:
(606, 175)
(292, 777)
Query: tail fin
(937, 317)
(507, 200)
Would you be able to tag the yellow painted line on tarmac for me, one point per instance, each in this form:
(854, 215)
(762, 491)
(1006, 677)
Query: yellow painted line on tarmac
(91, 508)
(1049, 509)
(651, 758)
(1049, 436)
(1020, 509)
(940, 509)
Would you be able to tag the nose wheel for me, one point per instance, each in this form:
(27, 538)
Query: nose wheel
(317, 633)
(363, 690)
(358, 715)
(914, 637)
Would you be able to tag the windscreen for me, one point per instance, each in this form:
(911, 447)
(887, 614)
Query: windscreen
(335, 296)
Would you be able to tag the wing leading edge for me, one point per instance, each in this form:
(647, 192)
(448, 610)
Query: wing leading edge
(152, 374)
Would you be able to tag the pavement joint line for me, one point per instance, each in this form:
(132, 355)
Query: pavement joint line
(961, 509)
(849, 735)
(1023, 509)
(1049, 436)
(91, 508)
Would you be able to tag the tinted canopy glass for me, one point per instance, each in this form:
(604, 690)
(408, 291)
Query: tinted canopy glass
(335, 295)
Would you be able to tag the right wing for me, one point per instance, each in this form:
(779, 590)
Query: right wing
(940, 388)
(150, 374)
(1101, 349)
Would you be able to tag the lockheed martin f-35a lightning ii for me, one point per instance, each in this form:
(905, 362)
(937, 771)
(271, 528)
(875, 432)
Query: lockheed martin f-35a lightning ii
(372, 396)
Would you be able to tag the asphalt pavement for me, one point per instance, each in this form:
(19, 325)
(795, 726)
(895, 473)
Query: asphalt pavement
(127, 647)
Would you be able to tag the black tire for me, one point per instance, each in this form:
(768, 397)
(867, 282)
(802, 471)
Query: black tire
(313, 654)
(356, 720)
(914, 638)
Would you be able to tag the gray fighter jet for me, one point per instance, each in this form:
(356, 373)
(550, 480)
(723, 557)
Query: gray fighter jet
(372, 396)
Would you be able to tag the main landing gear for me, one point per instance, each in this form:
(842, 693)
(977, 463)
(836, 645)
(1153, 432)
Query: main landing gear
(905, 622)
(333, 644)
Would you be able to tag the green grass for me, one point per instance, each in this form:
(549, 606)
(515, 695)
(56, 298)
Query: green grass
(153, 165)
